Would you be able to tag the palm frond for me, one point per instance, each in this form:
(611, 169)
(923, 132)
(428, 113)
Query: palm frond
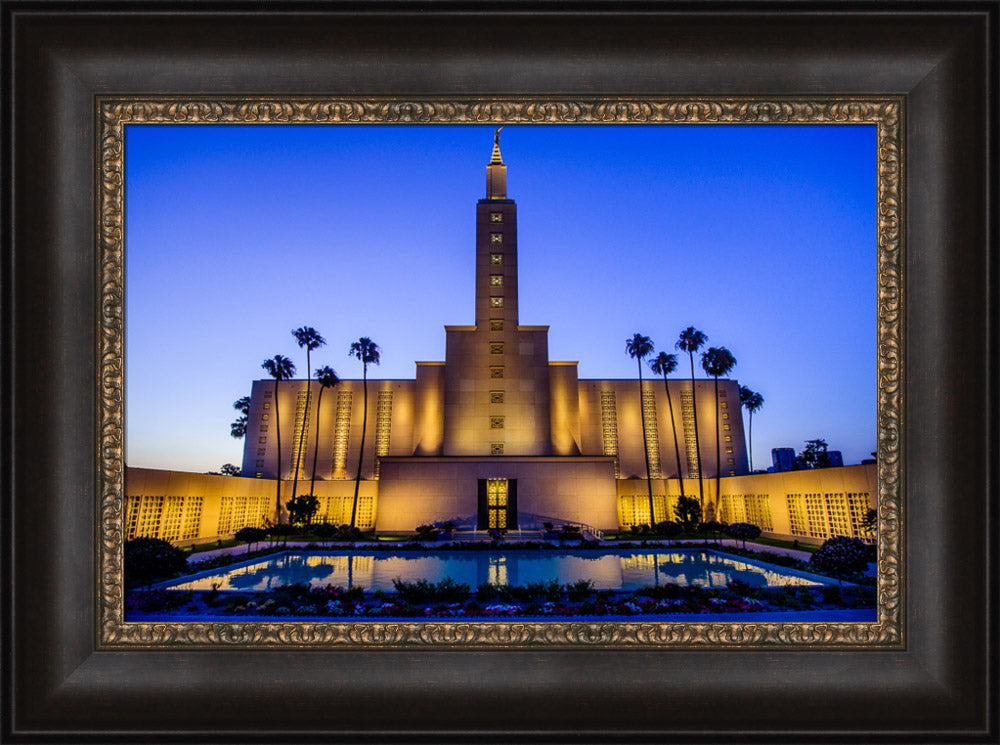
(308, 338)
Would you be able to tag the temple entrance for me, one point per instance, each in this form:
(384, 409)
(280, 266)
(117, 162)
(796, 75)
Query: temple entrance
(497, 504)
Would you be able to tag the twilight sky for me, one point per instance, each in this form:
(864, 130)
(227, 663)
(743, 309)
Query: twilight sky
(762, 236)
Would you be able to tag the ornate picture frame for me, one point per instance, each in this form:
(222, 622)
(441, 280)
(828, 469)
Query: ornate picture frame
(885, 113)
(72, 671)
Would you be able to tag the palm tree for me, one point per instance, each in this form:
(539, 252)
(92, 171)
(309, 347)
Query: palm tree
(664, 364)
(326, 378)
(717, 361)
(238, 429)
(309, 339)
(751, 401)
(280, 368)
(638, 348)
(367, 351)
(690, 341)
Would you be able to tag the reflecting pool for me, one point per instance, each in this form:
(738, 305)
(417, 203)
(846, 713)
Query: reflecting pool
(610, 570)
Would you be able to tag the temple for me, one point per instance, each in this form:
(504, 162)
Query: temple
(498, 420)
(497, 435)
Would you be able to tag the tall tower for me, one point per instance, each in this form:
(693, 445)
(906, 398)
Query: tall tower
(496, 248)
(496, 387)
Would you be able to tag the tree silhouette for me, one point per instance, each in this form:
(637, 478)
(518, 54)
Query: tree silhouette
(367, 351)
(813, 456)
(751, 401)
(717, 361)
(280, 368)
(309, 339)
(690, 341)
(638, 348)
(238, 429)
(664, 364)
(326, 378)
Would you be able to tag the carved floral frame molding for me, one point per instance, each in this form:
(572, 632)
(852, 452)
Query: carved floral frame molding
(113, 113)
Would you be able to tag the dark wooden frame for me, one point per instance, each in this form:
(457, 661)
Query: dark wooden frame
(57, 58)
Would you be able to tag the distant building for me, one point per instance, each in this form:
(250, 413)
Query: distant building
(836, 458)
(783, 459)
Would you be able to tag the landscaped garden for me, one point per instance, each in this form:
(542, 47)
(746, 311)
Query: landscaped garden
(448, 599)
(150, 564)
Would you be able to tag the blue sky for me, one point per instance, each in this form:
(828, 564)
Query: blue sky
(762, 236)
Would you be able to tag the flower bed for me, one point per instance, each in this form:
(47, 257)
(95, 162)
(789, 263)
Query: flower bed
(448, 599)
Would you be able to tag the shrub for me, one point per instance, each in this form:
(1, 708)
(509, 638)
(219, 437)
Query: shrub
(281, 530)
(149, 559)
(336, 592)
(325, 531)
(577, 591)
(668, 591)
(427, 532)
(742, 531)
(302, 509)
(551, 590)
(669, 528)
(841, 557)
(347, 533)
(743, 589)
(422, 591)
(250, 535)
(713, 527)
(688, 512)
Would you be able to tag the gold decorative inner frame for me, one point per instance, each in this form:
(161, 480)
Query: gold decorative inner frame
(113, 113)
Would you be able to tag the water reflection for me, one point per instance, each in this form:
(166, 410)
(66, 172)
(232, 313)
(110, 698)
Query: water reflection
(611, 571)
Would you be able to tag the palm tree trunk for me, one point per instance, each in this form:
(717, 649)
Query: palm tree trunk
(673, 427)
(697, 440)
(312, 483)
(361, 453)
(751, 442)
(718, 454)
(277, 427)
(645, 447)
(302, 429)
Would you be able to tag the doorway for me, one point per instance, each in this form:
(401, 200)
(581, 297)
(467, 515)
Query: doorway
(497, 504)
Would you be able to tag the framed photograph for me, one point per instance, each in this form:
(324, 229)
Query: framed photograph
(575, 456)
(923, 663)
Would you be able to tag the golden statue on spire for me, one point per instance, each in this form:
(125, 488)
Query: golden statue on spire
(496, 171)
(496, 158)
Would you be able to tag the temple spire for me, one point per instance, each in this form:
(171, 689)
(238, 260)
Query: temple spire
(496, 158)
(496, 172)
